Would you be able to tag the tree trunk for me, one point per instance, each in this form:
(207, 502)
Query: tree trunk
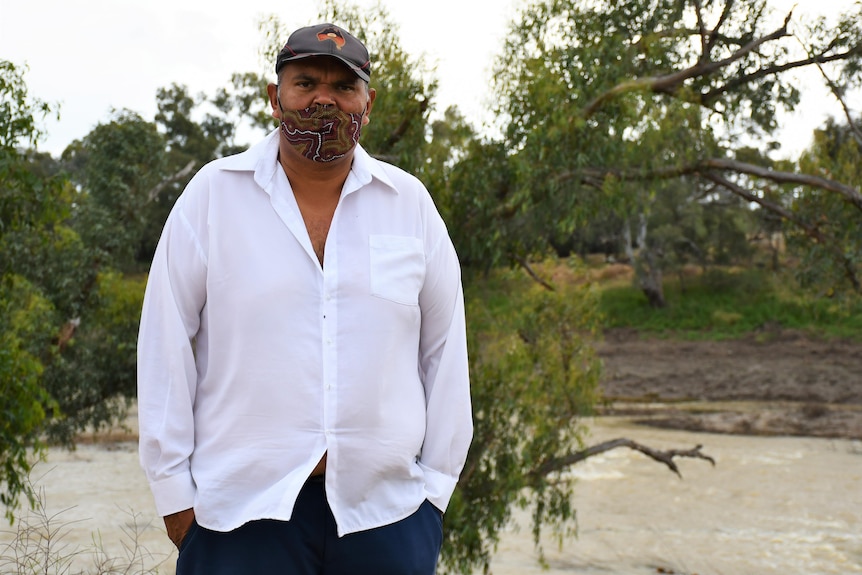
(644, 264)
(651, 285)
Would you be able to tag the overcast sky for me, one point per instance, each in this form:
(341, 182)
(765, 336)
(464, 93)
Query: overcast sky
(92, 56)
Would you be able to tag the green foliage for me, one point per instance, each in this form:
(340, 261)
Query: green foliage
(131, 171)
(691, 226)
(93, 378)
(186, 138)
(25, 317)
(30, 207)
(19, 114)
(723, 304)
(534, 374)
(117, 166)
(246, 99)
(193, 136)
(25, 198)
(831, 266)
(451, 137)
(478, 207)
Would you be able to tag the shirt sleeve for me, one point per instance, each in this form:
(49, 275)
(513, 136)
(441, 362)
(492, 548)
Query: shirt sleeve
(445, 374)
(167, 375)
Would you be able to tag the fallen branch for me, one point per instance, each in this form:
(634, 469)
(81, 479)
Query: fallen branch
(666, 457)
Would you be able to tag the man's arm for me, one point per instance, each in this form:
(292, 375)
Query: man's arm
(445, 371)
(167, 374)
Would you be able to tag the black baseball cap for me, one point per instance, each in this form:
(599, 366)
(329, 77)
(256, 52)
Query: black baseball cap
(326, 40)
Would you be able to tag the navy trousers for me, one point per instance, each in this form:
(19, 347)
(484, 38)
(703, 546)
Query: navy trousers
(308, 544)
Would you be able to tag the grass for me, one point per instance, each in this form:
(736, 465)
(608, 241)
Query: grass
(724, 304)
(719, 304)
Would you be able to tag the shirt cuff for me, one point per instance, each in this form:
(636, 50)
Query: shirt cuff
(173, 494)
(438, 487)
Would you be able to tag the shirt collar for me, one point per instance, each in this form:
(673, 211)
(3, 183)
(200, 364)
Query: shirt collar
(262, 160)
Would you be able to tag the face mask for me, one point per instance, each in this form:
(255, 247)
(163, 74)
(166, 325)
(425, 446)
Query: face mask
(321, 133)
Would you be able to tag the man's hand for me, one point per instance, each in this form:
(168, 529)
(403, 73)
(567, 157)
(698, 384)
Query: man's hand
(178, 525)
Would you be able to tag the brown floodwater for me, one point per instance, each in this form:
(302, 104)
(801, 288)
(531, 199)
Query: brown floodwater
(771, 505)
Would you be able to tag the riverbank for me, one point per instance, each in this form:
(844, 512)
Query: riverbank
(773, 382)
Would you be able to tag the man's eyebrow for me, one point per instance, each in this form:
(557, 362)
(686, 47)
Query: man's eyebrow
(347, 79)
(303, 76)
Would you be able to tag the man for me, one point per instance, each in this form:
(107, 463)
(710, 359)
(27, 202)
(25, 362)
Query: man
(302, 368)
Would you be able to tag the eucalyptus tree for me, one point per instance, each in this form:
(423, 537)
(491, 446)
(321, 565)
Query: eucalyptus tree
(605, 103)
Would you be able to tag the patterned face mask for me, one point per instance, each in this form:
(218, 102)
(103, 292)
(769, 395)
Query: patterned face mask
(321, 133)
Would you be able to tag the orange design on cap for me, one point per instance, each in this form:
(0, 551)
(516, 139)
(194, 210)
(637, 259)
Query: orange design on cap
(332, 34)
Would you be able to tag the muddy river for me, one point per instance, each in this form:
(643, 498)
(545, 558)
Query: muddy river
(780, 505)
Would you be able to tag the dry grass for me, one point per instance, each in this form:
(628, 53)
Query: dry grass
(38, 546)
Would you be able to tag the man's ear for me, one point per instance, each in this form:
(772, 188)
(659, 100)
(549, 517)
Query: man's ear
(272, 92)
(372, 94)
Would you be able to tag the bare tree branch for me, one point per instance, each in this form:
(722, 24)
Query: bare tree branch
(590, 175)
(399, 132)
(850, 193)
(714, 35)
(701, 28)
(782, 212)
(670, 83)
(836, 91)
(156, 190)
(810, 230)
(734, 83)
(683, 31)
(526, 265)
(666, 457)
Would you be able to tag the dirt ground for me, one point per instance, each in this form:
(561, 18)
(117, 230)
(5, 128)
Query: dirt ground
(775, 382)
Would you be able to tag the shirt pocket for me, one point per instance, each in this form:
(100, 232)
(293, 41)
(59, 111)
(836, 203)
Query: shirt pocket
(397, 268)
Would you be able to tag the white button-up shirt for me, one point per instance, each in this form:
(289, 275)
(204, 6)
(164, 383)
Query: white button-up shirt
(254, 361)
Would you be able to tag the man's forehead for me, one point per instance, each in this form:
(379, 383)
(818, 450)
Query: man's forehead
(317, 66)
